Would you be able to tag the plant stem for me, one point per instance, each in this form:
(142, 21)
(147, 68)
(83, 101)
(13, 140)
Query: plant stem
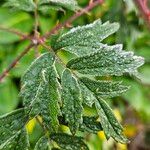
(36, 20)
(74, 17)
(13, 64)
(14, 31)
(36, 33)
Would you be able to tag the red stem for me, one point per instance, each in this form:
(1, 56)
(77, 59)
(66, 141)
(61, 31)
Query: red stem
(145, 11)
(13, 64)
(74, 17)
(36, 25)
(14, 31)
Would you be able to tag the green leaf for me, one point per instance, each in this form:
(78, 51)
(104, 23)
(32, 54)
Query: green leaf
(72, 102)
(90, 124)
(85, 35)
(11, 125)
(87, 95)
(64, 141)
(17, 142)
(59, 4)
(110, 125)
(68, 142)
(104, 89)
(25, 5)
(85, 49)
(40, 90)
(109, 60)
(45, 8)
(42, 144)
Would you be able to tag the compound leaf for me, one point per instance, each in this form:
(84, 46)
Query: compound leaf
(11, 125)
(110, 124)
(85, 35)
(25, 5)
(59, 4)
(72, 102)
(40, 90)
(68, 142)
(90, 124)
(109, 60)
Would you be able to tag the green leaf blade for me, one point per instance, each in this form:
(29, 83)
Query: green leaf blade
(68, 142)
(40, 91)
(59, 4)
(50, 110)
(32, 77)
(25, 5)
(17, 142)
(110, 125)
(72, 102)
(109, 60)
(92, 33)
(90, 125)
(11, 125)
(104, 89)
(87, 95)
(43, 144)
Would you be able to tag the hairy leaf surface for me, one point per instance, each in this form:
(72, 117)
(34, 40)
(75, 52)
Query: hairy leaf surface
(104, 89)
(68, 142)
(90, 124)
(18, 142)
(11, 128)
(25, 5)
(42, 144)
(85, 49)
(85, 35)
(87, 95)
(109, 60)
(40, 90)
(72, 102)
(110, 124)
(60, 4)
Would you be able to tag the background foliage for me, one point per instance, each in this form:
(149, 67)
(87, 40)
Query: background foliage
(132, 109)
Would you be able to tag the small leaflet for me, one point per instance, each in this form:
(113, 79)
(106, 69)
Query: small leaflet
(85, 35)
(69, 142)
(40, 91)
(12, 130)
(72, 102)
(109, 60)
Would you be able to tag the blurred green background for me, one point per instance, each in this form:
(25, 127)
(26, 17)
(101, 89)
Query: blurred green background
(132, 109)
